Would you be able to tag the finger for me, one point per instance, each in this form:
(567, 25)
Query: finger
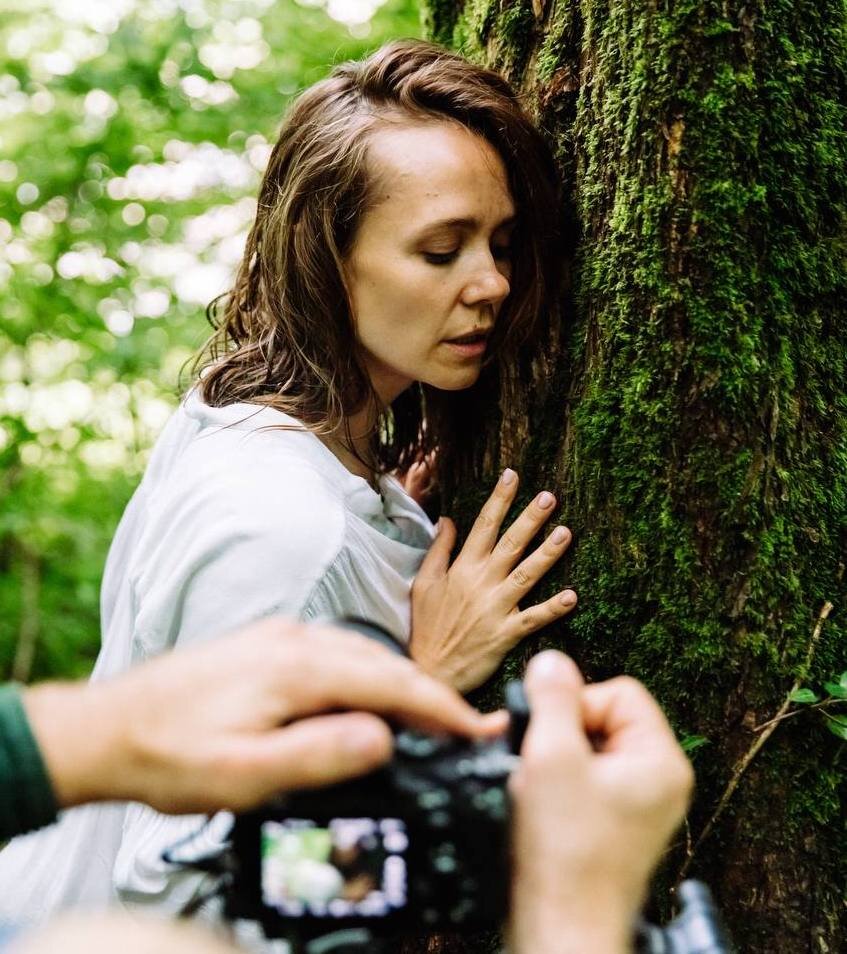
(631, 730)
(524, 622)
(381, 682)
(314, 752)
(554, 687)
(515, 540)
(483, 535)
(437, 559)
(529, 571)
(622, 712)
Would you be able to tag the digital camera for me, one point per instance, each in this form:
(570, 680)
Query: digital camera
(420, 845)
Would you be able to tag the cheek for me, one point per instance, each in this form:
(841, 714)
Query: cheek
(406, 302)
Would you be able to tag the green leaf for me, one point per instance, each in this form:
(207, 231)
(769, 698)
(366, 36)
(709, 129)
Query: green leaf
(842, 679)
(837, 725)
(803, 696)
(691, 742)
(836, 689)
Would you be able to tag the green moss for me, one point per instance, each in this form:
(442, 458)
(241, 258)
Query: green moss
(439, 19)
(702, 385)
(498, 34)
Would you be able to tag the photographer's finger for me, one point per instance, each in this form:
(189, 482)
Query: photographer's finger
(321, 750)
(636, 742)
(517, 537)
(621, 711)
(391, 686)
(437, 559)
(554, 686)
(486, 527)
(428, 704)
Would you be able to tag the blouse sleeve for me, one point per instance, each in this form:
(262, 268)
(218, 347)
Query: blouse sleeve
(233, 537)
(236, 534)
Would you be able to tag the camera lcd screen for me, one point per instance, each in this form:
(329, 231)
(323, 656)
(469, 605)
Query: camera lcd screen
(345, 867)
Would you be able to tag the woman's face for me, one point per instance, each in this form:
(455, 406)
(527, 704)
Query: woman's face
(429, 266)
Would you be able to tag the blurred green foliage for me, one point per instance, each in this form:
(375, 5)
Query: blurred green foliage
(133, 134)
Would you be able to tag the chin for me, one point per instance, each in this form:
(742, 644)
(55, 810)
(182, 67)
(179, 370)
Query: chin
(456, 381)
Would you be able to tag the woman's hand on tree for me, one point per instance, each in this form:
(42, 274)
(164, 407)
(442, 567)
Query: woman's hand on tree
(465, 615)
(419, 480)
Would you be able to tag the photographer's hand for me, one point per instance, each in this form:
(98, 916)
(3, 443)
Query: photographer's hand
(465, 616)
(205, 728)
(591, 820)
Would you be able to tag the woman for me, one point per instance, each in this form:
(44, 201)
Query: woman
(392, 284)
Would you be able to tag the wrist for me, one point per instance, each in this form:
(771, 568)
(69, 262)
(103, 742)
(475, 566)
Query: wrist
(78, 741)
(550, 923)
(561, 935)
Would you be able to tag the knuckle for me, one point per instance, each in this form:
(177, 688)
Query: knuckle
(629, 687)
(510, 543)
(521, 578)
(529, 621)
(485, 520)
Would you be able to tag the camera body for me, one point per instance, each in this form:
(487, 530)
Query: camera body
(420, 845)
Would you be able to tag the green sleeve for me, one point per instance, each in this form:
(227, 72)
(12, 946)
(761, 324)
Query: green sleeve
(26, 795)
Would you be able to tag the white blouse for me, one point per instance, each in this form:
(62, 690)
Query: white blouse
(241, 514)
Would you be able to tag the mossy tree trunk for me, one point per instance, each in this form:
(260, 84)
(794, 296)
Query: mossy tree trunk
(695, 428)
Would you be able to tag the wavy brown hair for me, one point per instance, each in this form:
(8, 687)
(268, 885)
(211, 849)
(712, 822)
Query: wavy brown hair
(284, 333)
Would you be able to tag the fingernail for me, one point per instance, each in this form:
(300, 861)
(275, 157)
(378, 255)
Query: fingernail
(568, 598)
(546, 500)
(508, 477)
(554, 668)
(559, 535)
(547, 665)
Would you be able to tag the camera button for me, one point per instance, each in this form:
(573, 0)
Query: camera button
(434, 798)
(418, 745)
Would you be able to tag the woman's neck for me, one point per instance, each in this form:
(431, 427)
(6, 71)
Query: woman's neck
(352, 445)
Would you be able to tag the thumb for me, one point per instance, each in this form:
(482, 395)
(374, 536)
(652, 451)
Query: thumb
(437, 560)
(317, 751)
(554, 688)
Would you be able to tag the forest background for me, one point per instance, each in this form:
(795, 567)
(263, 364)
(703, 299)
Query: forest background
(692, 417)
(133, 135)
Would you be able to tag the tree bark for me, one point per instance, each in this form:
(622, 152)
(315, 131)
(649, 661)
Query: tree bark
(695, 423)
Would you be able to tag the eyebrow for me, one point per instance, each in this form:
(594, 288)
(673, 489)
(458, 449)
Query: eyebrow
(465, 223)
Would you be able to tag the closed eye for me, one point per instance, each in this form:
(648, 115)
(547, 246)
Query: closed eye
(440, 258)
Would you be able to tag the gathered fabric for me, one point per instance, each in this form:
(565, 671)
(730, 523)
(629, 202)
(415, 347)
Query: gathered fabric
(241, 514)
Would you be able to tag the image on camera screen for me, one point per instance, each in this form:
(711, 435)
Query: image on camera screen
(342, 868)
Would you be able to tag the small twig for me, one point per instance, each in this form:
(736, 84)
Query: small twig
(743, 763)
(823, 704)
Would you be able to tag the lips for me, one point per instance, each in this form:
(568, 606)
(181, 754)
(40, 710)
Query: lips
(471, 338)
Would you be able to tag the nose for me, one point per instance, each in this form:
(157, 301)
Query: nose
(488, 285)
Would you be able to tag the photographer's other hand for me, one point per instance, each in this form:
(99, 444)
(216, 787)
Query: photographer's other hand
(205, 728)
(601, 787)
(465, 615)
